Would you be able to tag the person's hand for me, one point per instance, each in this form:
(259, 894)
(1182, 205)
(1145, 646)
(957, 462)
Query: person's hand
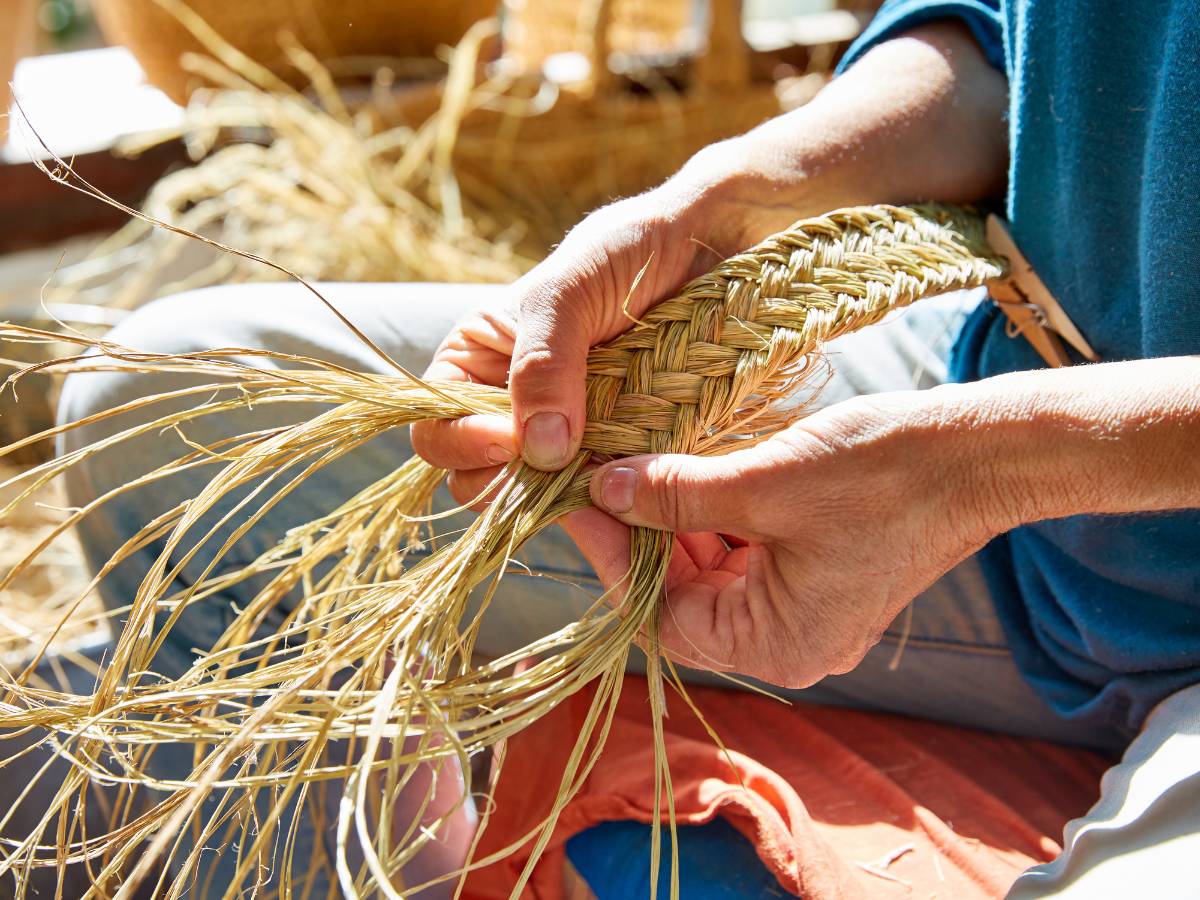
(613, 266)
(832, 527)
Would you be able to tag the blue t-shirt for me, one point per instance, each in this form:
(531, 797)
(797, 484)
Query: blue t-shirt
(1102, 613)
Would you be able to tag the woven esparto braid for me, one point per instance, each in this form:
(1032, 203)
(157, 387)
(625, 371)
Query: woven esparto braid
(732, 339)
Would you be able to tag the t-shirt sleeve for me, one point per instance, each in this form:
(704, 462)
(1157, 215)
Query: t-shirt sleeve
(895, 17)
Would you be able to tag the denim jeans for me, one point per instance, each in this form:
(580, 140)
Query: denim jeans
(944, 659)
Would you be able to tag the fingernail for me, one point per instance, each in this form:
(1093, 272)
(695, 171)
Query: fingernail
(616, 489)
(498, 456)
(547, 440)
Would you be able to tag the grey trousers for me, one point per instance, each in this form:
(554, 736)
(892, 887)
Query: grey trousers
(946, 660)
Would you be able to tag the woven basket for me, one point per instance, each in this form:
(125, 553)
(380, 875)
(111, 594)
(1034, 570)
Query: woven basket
(537, 29)
(533, 32)
(600, 140)
(330, 29)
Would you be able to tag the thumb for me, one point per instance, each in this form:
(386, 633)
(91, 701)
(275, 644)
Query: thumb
(548, 375)
(675, 492)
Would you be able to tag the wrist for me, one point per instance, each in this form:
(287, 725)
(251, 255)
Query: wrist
(725, 195)
(1035, 445)
(745, 190)
(978, 457)
(1112, 438)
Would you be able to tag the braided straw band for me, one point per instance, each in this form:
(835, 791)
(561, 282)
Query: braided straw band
(718, 354)
(700, 374)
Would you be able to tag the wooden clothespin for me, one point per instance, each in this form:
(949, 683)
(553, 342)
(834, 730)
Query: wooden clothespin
(1031, 309)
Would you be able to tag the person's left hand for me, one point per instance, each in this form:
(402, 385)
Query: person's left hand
(793, 556)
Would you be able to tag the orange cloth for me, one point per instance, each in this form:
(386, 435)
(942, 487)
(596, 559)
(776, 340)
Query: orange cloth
(839, 804)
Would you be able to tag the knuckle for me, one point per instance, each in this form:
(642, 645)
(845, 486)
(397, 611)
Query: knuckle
(535, 372)
(455, 486)
(533, 362)
(792, 664)
(456, 338)
(788, 674)
(540, 303)
(841, 666)
(795, 680)
(537, 301)
(423, 440)
(667, 492)
(847, 659)
(466, 489)
(500, 319)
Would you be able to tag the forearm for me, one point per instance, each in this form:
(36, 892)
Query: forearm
(1111, 438)
(917, 118)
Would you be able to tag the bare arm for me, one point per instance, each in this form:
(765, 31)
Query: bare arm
(1111, 438)
(918, 118)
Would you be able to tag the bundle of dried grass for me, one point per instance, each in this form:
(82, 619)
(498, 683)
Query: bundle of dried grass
(470, 178)
(370, 679)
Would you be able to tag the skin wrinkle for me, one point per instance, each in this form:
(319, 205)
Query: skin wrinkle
(945, 428)
(671, 490)
(816, 588)
(668, 495)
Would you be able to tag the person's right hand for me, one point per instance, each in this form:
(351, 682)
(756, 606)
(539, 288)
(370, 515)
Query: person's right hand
(581, 295)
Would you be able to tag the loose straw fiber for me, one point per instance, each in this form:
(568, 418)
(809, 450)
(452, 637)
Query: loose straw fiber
(331, 716)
